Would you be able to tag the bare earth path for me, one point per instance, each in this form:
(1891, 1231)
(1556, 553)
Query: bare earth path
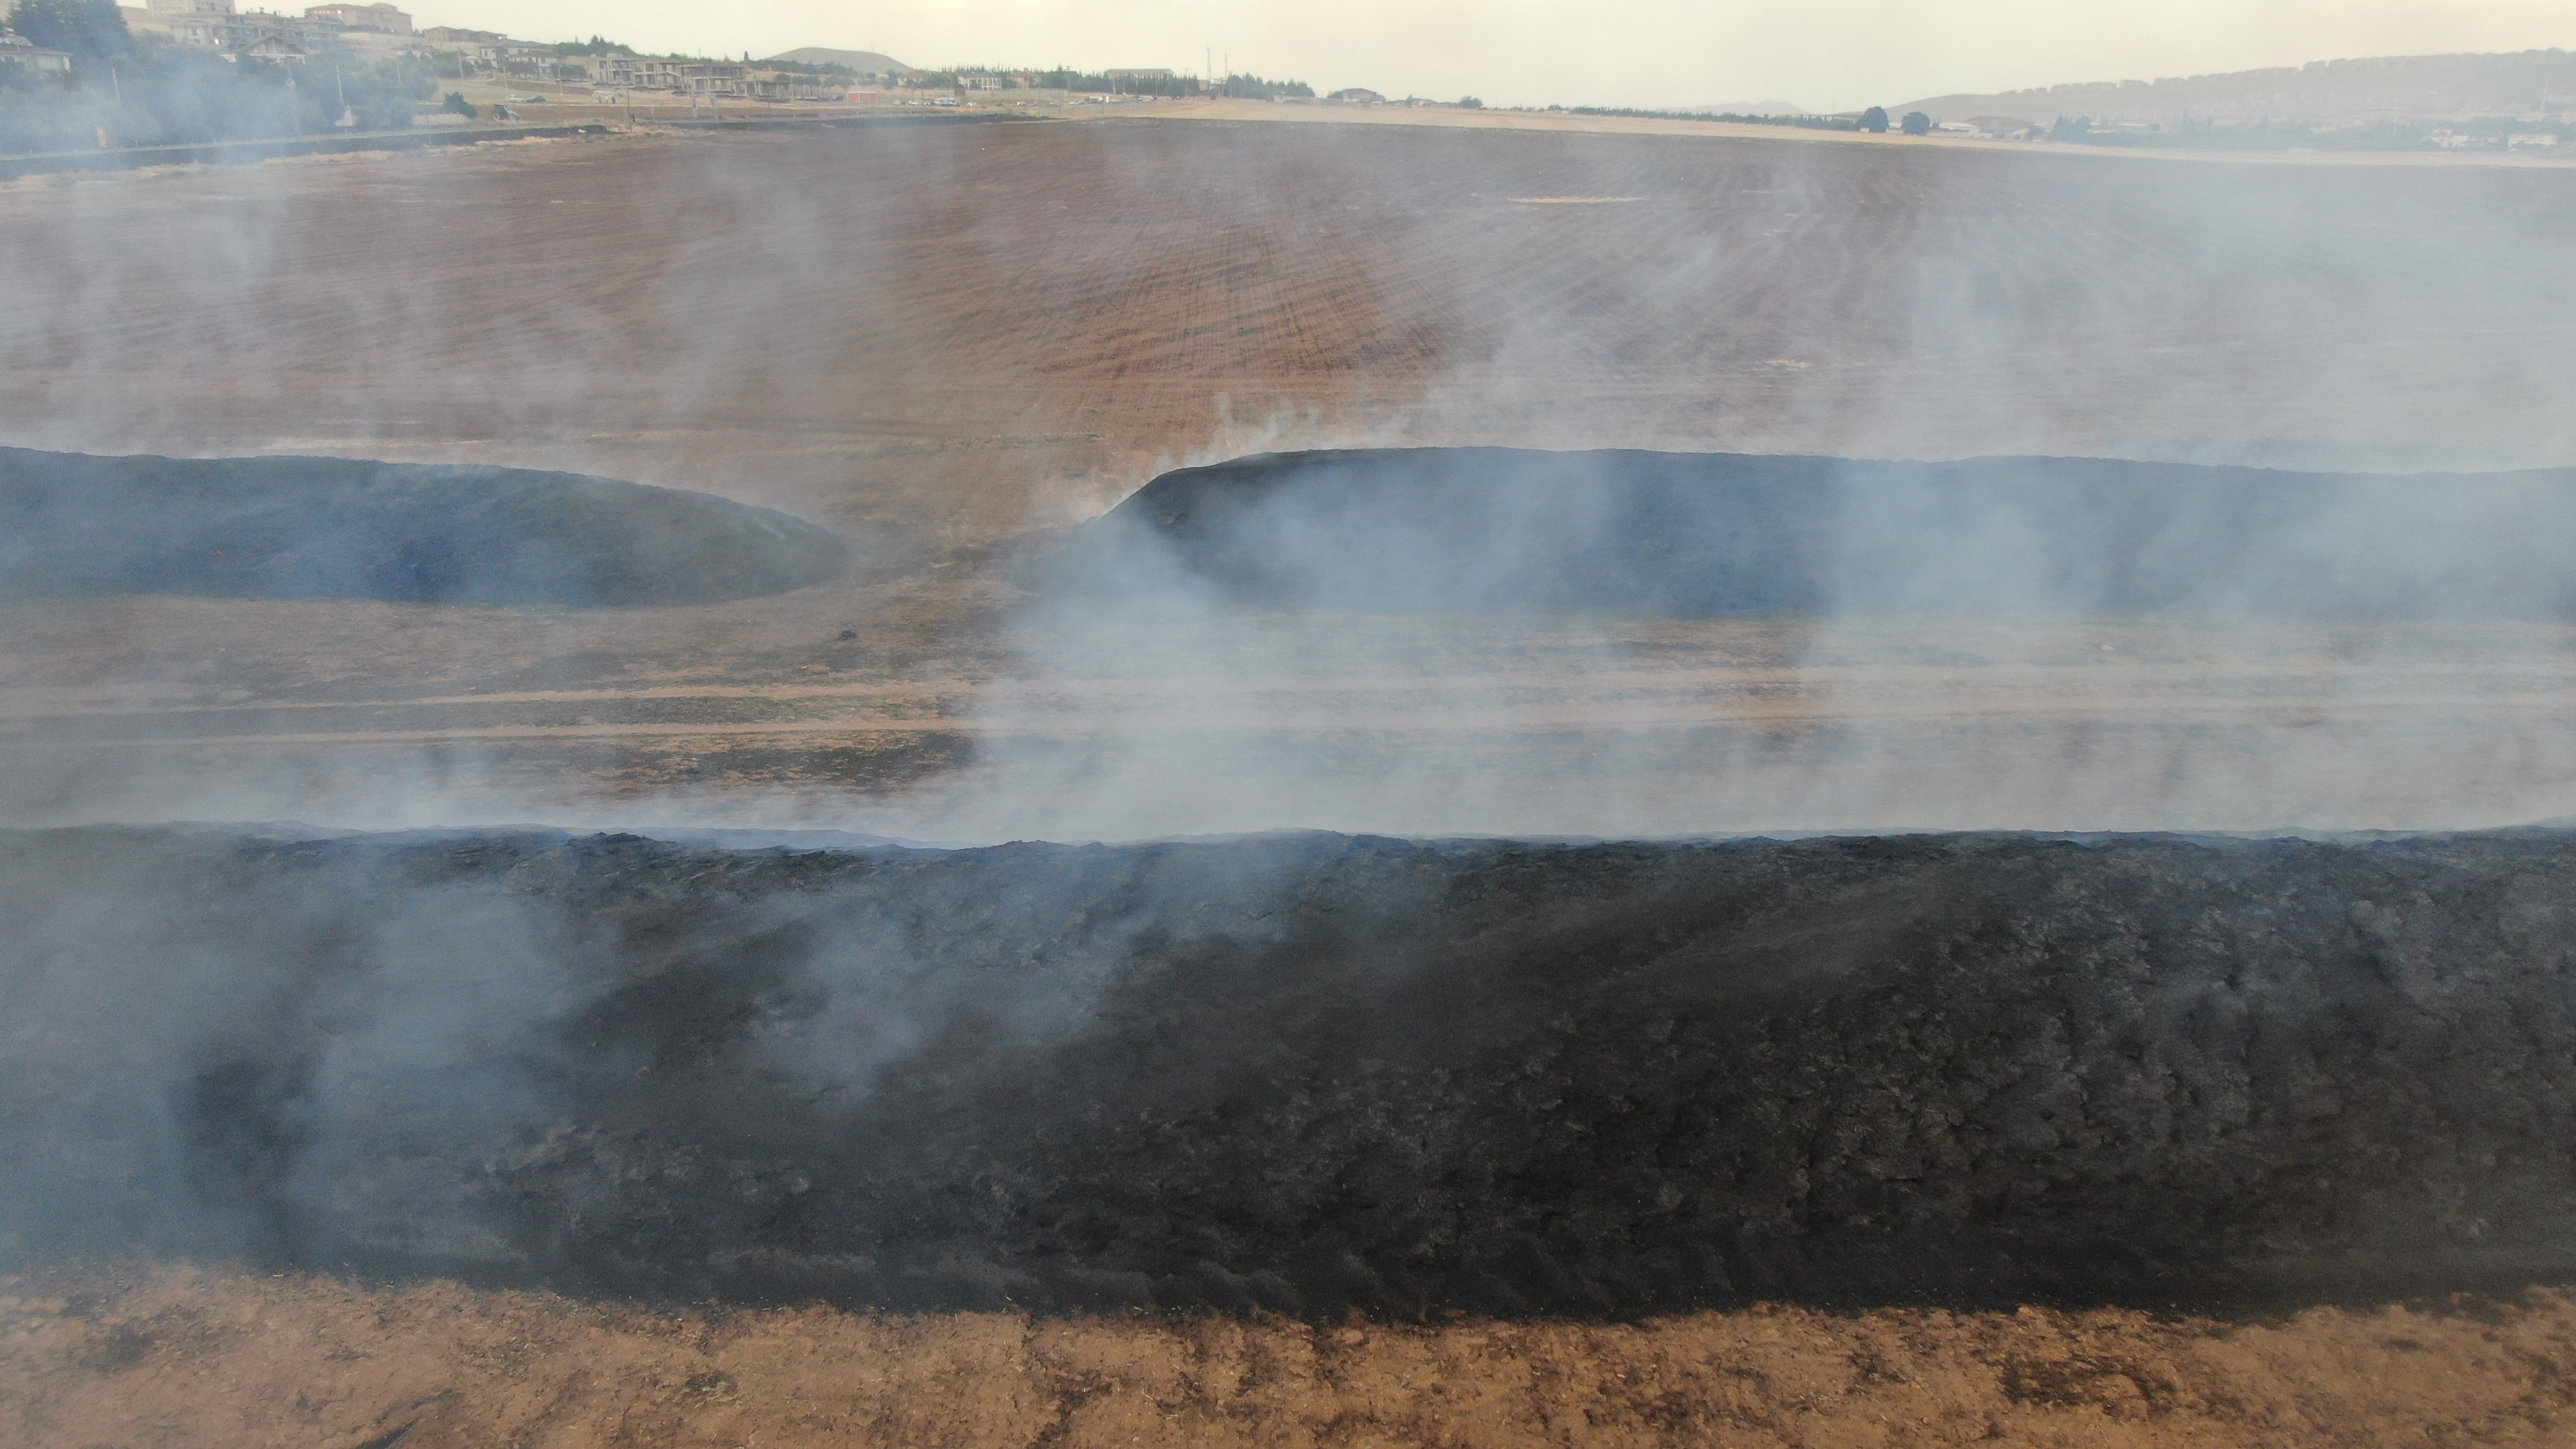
(177, 1357)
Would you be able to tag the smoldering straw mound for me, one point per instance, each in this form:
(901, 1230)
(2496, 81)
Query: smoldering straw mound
(335, 527)
(1304, 1072)
(1479, 530)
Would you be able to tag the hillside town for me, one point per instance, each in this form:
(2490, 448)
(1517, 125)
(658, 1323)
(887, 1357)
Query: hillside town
(379, 31)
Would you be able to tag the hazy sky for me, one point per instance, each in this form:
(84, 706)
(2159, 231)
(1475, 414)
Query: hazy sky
(1824, 54)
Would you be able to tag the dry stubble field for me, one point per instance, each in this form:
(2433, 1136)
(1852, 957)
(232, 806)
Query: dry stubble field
(955, 341)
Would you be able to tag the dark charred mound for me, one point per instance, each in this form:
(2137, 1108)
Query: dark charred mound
(1478, 530)
(72, 524)
(1305, 1072)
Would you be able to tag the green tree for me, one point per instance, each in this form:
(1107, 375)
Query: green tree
(1917, 124)
(90, 29)
(1874, 121)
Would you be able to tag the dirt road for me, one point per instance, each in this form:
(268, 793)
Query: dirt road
(175, 1356)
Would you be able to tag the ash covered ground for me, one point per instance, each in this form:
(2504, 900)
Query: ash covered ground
(1304, 1073)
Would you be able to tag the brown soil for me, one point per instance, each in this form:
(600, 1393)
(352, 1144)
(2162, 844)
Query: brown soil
(177, 1356)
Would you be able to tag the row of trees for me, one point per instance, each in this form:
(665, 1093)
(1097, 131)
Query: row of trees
(1805, 123)
(1254, 88)
(1873, 120)
(1240, 87)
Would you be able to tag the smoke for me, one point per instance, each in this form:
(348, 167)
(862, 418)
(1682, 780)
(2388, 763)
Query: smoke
(1616, 644)
(2392, 661)
(950, 344)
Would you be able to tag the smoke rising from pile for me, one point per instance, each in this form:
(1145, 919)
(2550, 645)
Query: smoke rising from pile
(801, 344)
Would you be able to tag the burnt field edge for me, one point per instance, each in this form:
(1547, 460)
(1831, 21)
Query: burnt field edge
(1305, 1074)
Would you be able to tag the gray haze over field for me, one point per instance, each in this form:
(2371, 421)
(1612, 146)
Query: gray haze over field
(859, 329)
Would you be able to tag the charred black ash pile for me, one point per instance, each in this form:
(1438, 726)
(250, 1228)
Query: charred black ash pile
(1303, 1073)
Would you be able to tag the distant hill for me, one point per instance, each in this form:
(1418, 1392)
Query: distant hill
(865, 62)
(2394, 87)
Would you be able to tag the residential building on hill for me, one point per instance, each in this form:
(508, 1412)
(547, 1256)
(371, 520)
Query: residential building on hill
(259, 34)
(501, 50)
(16, 49)
(688, 77)
(379, 17)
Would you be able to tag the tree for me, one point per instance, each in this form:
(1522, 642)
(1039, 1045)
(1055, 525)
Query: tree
(1917, 124)
(1471, 103)
(90, 29)
(1874, 121)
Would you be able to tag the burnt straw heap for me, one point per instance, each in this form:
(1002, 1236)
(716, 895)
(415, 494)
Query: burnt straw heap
(1620, 531)
(74, 524)
(1303, 1073)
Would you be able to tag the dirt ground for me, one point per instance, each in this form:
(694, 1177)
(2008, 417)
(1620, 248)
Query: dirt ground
(177, 1356)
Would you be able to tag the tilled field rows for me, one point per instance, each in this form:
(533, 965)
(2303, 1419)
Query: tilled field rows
(951, 281)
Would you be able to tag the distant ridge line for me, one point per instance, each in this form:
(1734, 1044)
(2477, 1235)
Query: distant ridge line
(2426, 86)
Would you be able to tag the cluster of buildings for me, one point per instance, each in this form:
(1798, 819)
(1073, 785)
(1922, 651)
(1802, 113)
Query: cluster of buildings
(269, 35)
(380, 27)
(217, 25)
(708, 80)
